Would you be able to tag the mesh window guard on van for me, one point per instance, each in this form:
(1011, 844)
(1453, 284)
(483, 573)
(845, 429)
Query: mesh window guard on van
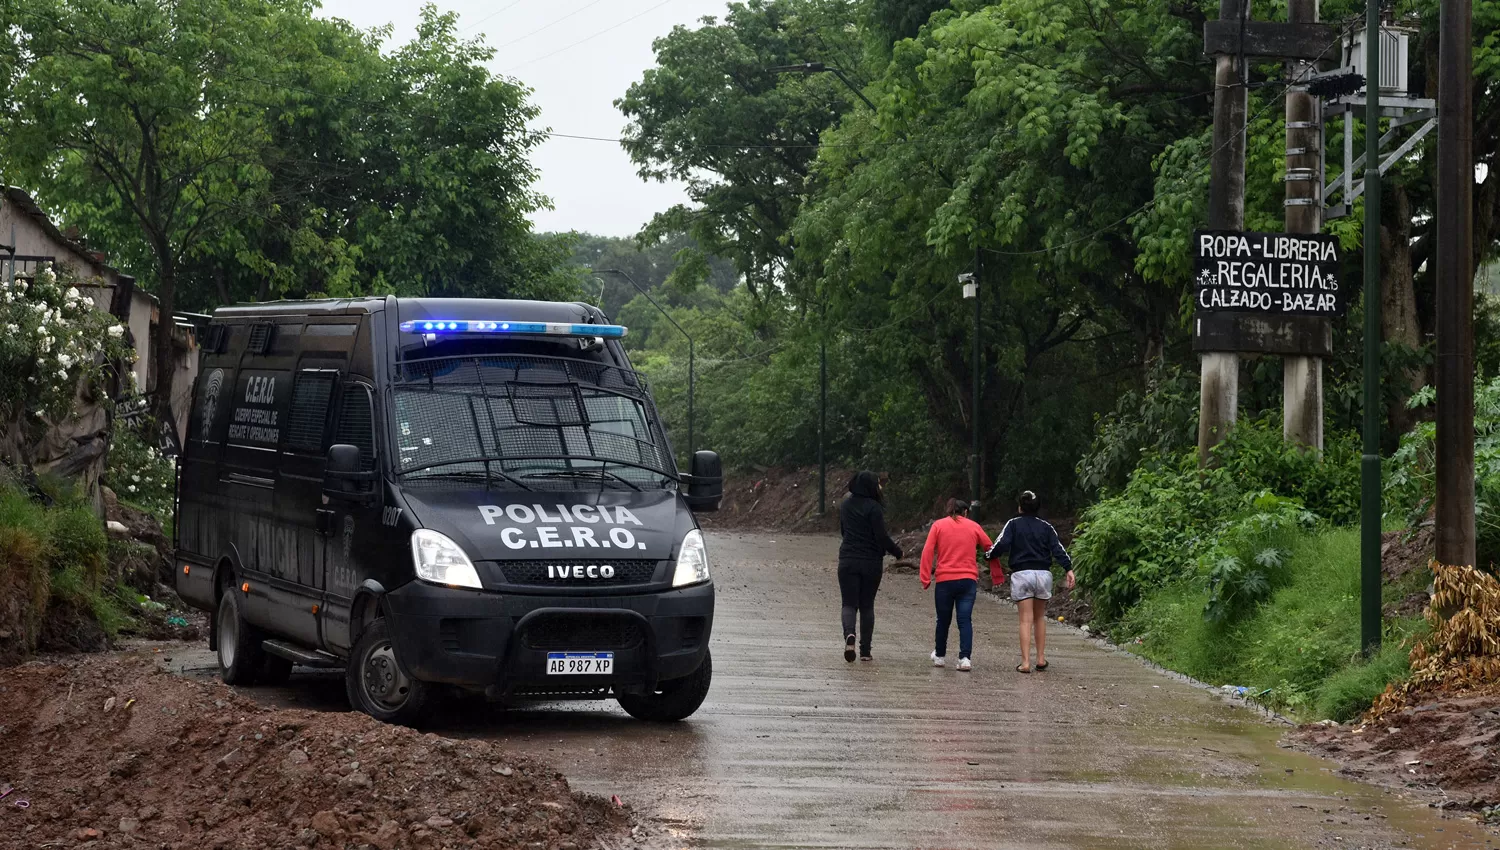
(356, 426)
(309, 413)
(260, 338)
(534, 422)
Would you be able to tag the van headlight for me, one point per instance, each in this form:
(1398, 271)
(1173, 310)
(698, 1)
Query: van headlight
(692, 560)
(441, 561)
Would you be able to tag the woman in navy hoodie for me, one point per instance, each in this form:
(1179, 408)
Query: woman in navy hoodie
(1032, 545)
(861, 553)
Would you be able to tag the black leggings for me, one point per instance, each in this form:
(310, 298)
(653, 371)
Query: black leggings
(858, 583)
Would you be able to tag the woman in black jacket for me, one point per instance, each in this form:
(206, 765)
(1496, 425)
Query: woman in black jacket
(865, 543)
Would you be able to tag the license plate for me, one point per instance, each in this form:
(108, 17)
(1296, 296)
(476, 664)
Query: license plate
(580, 663)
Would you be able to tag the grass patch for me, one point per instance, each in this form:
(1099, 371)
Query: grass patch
(50, 554)
(1299, 649)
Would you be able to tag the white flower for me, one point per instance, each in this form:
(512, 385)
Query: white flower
(12, 329)
(131, 488)
(65, 360)
(74, 294)
(62, 374)
(135, 478)
(116, 331)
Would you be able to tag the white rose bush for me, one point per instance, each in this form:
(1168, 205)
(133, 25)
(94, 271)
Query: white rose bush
(53, 342)
(138, 472)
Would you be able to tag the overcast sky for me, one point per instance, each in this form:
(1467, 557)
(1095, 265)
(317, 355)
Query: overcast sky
(577, 56)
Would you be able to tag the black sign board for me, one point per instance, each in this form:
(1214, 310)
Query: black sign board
(1292, 274)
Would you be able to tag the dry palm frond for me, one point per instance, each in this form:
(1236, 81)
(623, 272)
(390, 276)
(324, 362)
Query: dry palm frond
(1462, 654)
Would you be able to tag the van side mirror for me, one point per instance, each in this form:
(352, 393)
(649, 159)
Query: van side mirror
(342, 476)
(705, 483)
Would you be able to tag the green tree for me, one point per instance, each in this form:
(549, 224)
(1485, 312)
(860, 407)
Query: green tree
(147, 118)
(742, 137)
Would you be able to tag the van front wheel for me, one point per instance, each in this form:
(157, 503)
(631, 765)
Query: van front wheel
(378, 686)
(672, 700)
(240, 654)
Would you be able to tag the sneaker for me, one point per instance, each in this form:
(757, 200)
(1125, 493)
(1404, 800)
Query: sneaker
(865, 658)
(849, 649)
(965, 664)
(938, 660)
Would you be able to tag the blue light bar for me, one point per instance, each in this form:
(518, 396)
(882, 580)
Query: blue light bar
(465, 326)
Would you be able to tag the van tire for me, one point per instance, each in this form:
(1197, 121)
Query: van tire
(378, 686)
(239, 649)
(274, 670)
(673, 700)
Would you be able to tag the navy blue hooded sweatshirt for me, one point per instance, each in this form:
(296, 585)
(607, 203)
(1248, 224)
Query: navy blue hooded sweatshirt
(1032, 545)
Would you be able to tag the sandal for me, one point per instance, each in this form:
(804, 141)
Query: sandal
(1021, 669)
(1042, 666)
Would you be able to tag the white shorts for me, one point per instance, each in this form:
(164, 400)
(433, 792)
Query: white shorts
(1031, 584)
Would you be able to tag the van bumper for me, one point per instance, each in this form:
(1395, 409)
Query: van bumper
(498, 642)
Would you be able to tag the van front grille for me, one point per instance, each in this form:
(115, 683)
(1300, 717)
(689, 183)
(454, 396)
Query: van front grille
(562, 573)
(583, 633)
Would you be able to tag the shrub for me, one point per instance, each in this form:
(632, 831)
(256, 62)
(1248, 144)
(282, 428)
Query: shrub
(1172, 515)
(51, 338)
(78, 543)
(1251, 554)
(47, 554)
(1410, 473)
(24, 578)
(138, 472)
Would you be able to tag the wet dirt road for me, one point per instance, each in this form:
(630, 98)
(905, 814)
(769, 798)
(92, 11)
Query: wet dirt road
(796, 748)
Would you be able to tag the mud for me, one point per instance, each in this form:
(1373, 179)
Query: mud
(1450, 748)
(112, 751)
(796, 748)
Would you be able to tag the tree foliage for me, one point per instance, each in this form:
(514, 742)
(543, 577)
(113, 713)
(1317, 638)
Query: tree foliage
(244, 149)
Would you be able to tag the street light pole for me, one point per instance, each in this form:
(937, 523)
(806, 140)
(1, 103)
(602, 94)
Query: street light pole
(970, 283)
(691, 446)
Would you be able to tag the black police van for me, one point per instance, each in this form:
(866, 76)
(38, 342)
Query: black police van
(439, 492)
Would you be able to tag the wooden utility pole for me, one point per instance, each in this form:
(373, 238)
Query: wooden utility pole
(1219, 378)
(1302, 374)
(1455, 287)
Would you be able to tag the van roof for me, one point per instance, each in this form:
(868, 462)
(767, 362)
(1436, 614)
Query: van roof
(498, 309)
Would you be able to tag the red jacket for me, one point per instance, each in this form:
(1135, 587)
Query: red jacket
(953, 544)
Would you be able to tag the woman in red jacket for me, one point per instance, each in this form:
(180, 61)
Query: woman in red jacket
(951, 558)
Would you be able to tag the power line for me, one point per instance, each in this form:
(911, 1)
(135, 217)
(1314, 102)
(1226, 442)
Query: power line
(580, 10)
(586, 40)
(491, 15)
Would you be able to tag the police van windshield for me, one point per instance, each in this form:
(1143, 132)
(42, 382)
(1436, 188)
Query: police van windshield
(528, 422)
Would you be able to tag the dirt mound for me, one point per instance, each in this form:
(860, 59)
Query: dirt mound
(780, 499)
(1406, 551)
(115, 751)
(1450, 744)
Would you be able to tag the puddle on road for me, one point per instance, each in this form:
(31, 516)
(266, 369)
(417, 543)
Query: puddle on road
(1316, 791)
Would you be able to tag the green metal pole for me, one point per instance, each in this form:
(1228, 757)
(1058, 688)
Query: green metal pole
(1370, 507)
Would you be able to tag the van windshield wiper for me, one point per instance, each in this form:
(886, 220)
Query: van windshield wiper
(473, 475)
(572, 473)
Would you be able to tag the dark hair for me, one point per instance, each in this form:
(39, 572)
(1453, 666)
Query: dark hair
(1029, 503)
(957, 506)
